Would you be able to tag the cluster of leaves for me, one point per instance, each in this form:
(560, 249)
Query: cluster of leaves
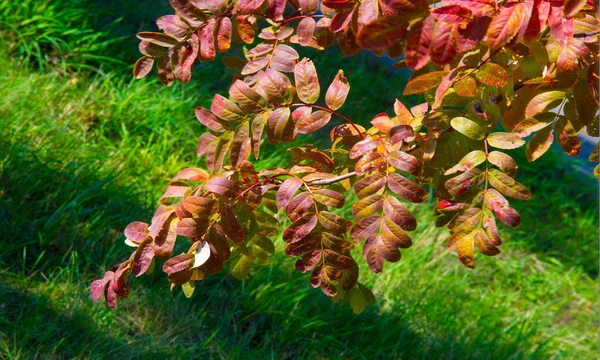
(529, 67)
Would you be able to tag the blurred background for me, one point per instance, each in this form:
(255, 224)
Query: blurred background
(85, 149)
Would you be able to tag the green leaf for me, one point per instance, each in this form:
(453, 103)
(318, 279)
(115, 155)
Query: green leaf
(508, 186)
(468, 162)
(468, 128)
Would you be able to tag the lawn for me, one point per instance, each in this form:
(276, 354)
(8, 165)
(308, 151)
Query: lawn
(84, 150)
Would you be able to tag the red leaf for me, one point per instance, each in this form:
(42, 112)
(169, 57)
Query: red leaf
(222, 186)
(416, 52)
(454, 14)
(300, 228)
(287, 190)
(306, 30)
(314, 122)
(337, 92)
(381, 33)
(137, 231)
(444, 43)
(142, 67)
(507, 24)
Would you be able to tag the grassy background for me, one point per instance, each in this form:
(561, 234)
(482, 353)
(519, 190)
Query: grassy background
(84, 150)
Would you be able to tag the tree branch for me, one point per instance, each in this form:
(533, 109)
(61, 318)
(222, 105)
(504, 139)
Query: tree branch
(583, 35)
(333, 180)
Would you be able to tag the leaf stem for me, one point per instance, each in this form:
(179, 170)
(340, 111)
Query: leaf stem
(333, 112)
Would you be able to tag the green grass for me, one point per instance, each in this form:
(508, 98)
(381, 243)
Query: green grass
(83, 154)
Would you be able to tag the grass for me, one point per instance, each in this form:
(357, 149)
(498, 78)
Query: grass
(83, 154)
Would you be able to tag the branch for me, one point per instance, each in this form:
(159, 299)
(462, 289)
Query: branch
(333, 180)
(583, 35)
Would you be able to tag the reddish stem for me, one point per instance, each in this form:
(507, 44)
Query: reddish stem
(333, 112)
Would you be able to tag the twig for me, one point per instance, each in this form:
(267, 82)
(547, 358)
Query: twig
(333, 180)
(582, 35)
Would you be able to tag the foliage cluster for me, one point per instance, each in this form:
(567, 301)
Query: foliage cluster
(529, 67)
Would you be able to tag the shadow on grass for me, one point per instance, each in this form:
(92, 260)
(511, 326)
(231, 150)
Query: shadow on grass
(54, 210)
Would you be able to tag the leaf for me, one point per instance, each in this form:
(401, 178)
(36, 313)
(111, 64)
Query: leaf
(159, 39)
(332, 222)
(258, 126)
(369, 185)
(406, 188)
(444, 43)
(299, 206)
(209, 120)
(567, 137)
(314, 122)
(466, 87)
(492, 74)
(222, 186)
(507, 24)
(371, 161)
(424, 82)
(458, 185)
(381, 33)
(364, 228)
(178, 263)
(232, 227)
(98, 287)
(454, 14)
(280, 125)
(223, 30)
(399, 214)
(504, 162)
(241, 145)
(468, 128)
(499, 205)
(508, 186)
(543, 102)
(502, 140)
(337, 92)
(142, 67)
(309, 6)
(539, 144)
(478, 7)
(466, 251)
(300, 228)
(248, 99)
(275, 86)
(307, 82)
(287, 190)
(416, 52)
(226, 109)
(247, 7)
(254, 66)
(572, 7)
(329, 197)
(217, 150)
(379, 248)
(468, 162)
(484, 245)
(192, 227)
(202, 254)
(137, 232)
(367, 206)
(405, 162)
(364, 146)
(531, 125)
(306, 30)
